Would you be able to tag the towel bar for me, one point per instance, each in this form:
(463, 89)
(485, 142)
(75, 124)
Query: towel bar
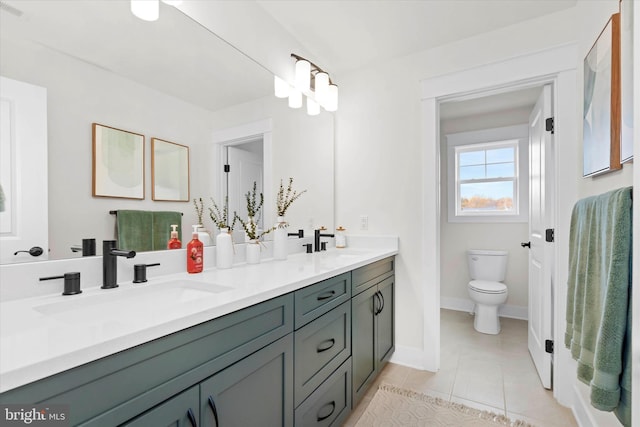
(116, 213)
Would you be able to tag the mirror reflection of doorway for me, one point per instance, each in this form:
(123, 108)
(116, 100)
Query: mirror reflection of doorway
(245, 166)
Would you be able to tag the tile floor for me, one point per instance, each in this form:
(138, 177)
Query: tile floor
(490, 372)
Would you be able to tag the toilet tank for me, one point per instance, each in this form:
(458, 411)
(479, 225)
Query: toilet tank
(487, 265)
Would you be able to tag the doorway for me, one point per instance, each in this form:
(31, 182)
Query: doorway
(556, 65)
(509, 205)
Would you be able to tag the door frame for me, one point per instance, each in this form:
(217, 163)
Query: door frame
(237, 135)
(558, 66)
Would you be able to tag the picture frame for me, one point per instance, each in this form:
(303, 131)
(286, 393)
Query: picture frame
(601, 114)
(626, 80)
(170, 171)
(118, 163)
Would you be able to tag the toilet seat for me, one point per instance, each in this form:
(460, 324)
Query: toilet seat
(488, 287)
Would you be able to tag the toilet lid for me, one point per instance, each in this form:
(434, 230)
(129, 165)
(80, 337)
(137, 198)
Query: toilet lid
(488, 287)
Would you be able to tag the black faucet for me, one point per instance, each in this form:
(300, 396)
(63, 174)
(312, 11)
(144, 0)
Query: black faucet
(316, 238)
(110, 264)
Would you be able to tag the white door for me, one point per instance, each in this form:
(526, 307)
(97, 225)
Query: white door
(245, 169)
(23, 172)
(540, 251)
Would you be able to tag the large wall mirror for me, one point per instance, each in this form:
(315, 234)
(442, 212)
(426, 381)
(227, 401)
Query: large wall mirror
(172, 80)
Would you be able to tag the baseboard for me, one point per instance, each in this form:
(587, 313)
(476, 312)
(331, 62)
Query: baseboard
(585, 414)
(466, 305)
(408, 356)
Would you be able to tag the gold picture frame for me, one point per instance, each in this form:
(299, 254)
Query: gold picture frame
(170, 171)
(118, 163)
(601, 114)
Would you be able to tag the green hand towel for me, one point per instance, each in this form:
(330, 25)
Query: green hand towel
(135, 230)
(162, 221)
(598, 294)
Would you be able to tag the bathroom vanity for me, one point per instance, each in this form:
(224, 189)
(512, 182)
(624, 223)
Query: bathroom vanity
(280, 343)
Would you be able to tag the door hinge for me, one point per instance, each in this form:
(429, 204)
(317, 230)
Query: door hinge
(549, 235)
(548, 346)
(549, 124)
(227, 168)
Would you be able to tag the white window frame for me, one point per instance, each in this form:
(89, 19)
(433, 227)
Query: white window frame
(486, 138)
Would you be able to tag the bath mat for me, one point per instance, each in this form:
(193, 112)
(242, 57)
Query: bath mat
(394, 406)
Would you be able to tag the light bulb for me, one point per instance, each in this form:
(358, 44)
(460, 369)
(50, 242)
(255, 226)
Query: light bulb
(321, 87)
(281, 88)
(331, 103)
(303, 75)
(147, 10)
(295, 98)
(313, 108)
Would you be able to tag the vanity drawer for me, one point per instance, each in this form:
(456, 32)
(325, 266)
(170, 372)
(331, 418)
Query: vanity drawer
(367, 276)
(317, 299)
(320, 348)
(330, 404)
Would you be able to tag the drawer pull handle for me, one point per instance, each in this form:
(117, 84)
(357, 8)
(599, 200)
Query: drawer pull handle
(377, 304)
(212, 404)
(192, 418)
(326, 345)
(326, 295)
(382, 299)
(332, 404)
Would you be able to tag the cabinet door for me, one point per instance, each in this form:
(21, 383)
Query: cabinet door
(363, 340)
(256, 391)
(182, 410)
(385, 320)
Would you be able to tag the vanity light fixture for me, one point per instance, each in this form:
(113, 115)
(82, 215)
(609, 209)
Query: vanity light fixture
(313, 82)
(149, 10)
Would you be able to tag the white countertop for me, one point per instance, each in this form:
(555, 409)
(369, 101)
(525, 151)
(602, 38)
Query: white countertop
(45, 335)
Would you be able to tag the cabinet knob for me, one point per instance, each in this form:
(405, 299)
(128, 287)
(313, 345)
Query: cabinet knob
(326, 345)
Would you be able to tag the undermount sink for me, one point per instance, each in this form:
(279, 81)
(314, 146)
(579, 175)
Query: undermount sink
(121, 302)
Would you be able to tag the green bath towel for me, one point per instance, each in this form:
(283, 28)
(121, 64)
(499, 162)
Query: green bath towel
(135, 230)
(598, 298)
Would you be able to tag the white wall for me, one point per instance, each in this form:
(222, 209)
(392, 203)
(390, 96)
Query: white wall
(80, 94)
(456, 238)
(378, 148)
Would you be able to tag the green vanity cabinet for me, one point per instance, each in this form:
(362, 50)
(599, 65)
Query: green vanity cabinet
(181, 410)
(256, 391)
(372, 323)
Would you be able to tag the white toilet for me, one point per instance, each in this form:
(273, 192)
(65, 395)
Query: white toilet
(487, 270)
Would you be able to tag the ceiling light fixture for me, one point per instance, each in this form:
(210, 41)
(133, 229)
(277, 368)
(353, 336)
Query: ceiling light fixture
(313, 82)
(149, 10)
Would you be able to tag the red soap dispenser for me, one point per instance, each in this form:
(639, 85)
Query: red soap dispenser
(174, 243)
(195, 253)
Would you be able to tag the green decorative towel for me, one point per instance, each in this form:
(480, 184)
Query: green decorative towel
(162, 222)
(135, 230)
(598, 297)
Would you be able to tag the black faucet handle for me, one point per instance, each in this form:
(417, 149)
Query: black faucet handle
(309, 247)
(140, 272)
(300, 234)
(71, 282)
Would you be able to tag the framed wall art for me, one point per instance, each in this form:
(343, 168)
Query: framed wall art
(118, 163)
(601, 114)
(626, 80)
(169, 171)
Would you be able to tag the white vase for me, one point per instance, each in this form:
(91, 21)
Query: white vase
(204, 236)
(280, 240)
(253, 252)
(224, 249)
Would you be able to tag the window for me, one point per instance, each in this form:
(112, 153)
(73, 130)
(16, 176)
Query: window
(487, 178)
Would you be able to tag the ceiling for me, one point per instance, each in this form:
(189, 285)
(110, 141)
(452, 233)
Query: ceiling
(349, 34)
(185, 60)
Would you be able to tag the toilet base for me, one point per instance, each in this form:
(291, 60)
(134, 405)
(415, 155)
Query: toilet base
(486, 319)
